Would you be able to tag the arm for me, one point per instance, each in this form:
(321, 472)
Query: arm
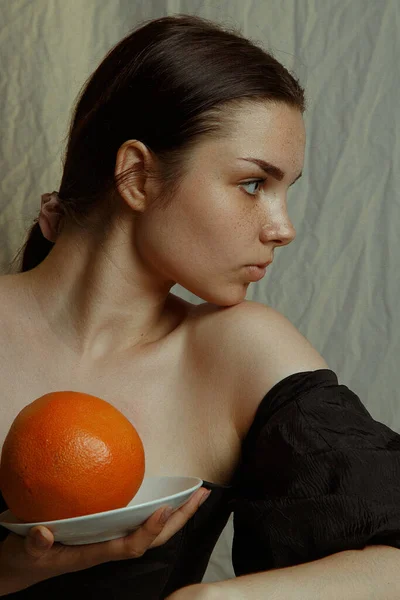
(369, 574)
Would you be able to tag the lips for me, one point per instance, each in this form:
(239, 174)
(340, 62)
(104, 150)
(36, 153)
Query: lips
(264, 265)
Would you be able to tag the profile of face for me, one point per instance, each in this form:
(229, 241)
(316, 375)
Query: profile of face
(228, 213)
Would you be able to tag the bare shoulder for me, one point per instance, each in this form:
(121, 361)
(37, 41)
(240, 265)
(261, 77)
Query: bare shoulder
(7, 286)
(12, 322)
(273, 340)
(14, 304)
(260, 348)
(12, 290)
(257, 334)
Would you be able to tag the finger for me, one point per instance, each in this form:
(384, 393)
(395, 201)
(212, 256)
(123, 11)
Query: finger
(38, 541)
(133, 545)
(181, 516)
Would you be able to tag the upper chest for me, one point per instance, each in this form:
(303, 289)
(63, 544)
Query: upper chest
(180, 396)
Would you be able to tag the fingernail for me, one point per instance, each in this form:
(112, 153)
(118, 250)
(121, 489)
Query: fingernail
(41, 540)
(204, 497)
(165, 515)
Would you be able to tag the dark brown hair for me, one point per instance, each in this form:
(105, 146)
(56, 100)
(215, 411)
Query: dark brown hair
(167, 83)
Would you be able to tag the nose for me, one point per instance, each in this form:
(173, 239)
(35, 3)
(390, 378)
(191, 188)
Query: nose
(278, 229)
(285, 235)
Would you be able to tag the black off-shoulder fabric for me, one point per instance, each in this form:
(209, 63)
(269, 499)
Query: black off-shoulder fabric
(318, 475)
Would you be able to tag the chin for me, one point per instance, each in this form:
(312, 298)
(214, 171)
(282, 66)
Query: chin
(223, 297)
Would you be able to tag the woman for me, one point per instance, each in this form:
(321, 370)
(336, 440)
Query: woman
(182, 149)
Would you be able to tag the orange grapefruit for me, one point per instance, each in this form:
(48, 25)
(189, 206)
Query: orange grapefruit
(69, 454)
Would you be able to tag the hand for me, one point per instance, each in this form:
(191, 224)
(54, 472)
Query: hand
(23, 562)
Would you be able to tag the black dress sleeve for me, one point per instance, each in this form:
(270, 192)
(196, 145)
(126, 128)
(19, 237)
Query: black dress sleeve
(318, 476)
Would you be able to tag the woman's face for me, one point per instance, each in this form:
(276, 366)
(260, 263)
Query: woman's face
(229, 213)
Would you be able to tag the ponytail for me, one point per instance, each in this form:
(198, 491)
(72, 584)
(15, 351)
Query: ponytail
(35, 249)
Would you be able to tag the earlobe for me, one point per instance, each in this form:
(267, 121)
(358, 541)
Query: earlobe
(133, 157)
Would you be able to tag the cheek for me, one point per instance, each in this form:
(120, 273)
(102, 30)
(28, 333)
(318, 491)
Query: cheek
(173, 241)
(213, 231)
(200, 232)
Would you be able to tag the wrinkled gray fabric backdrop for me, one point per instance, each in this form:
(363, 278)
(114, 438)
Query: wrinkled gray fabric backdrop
(338, 282)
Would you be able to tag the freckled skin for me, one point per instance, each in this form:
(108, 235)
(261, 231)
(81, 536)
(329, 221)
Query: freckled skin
(213, 227)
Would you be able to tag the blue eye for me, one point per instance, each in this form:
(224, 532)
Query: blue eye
(255, 182)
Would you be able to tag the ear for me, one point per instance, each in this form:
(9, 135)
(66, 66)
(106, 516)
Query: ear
(135, 155)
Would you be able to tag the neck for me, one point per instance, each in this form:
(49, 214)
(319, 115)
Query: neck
(98, 297)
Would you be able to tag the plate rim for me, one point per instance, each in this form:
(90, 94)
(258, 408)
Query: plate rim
(123, 509)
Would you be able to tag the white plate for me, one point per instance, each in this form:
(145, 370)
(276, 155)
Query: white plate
(100, 527)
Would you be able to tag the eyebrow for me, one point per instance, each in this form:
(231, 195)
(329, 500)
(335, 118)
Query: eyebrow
(270, 169)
